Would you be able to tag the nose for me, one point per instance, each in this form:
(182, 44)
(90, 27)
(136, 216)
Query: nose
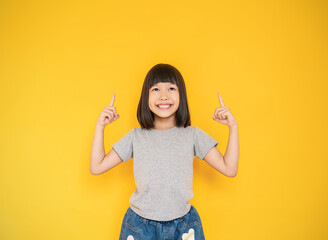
(163, 97)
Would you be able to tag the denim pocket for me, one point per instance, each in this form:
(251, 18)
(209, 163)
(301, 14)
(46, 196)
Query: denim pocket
(191, 218)
(134, 222)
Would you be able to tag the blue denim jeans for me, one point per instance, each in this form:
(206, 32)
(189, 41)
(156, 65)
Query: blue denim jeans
(135, 227)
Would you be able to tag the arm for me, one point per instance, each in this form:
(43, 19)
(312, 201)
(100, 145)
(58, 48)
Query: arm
(231, 156)
(99, 162)
(97, 149)
(227, 164)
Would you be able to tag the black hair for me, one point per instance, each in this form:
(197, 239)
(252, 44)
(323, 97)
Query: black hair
(163, 73)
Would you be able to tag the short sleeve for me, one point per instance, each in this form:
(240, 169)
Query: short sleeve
(124, 146)
(202, 143)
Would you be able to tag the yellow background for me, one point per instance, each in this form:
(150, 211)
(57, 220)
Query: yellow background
(61, 61)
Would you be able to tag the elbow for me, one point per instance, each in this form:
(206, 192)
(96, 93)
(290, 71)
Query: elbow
(94, 171)
(232, 174)
(95, 167)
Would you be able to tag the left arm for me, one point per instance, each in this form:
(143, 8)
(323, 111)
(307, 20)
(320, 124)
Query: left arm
(227, 164)
(231, 156)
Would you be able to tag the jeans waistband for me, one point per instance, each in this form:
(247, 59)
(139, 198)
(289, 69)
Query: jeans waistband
(159, 223)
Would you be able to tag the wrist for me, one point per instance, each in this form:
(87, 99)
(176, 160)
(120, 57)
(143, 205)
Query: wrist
(234, 126)
(100, 127)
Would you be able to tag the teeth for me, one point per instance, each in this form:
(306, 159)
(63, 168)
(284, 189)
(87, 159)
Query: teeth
(163, 106)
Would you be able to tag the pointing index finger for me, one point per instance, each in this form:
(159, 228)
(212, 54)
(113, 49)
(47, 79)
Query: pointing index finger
(112, 101)
(221, 101)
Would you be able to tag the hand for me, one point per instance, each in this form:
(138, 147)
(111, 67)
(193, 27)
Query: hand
(108, 114)
(223, 114)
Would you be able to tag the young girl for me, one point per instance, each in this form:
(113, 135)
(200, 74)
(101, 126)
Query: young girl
(163, 150)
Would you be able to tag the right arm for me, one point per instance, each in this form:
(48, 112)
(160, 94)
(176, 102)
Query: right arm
(99, 162)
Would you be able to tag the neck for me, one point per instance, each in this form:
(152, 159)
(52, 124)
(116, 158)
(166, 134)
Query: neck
(164, 124)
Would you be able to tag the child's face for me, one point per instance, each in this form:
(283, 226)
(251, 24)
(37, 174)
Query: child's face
(165, 95)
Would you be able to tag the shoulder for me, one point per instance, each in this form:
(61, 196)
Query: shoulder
(183, 130)
(130, 133)
(198, 132)
(194, 129)
(140, 131)
(132, 130)
(189, 128)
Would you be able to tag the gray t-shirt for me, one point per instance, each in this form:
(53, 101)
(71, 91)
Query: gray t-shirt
(163, 168)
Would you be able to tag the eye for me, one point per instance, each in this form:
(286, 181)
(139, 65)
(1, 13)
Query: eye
(154, 89)
(172, 88)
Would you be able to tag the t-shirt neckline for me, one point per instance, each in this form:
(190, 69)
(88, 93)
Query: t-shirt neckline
(164, 131)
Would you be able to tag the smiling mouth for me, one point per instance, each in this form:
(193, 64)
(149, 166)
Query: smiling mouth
(164, 107)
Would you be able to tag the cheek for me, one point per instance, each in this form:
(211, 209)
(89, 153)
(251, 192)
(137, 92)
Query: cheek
(177, 99)
(150, 105)
(150, 100)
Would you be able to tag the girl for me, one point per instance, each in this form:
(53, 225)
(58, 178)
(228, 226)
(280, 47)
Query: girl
(163, 150)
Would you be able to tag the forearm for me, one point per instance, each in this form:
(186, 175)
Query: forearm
(97, 149)
(231, 156)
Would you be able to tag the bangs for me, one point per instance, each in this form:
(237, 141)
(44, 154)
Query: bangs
(161, 74)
